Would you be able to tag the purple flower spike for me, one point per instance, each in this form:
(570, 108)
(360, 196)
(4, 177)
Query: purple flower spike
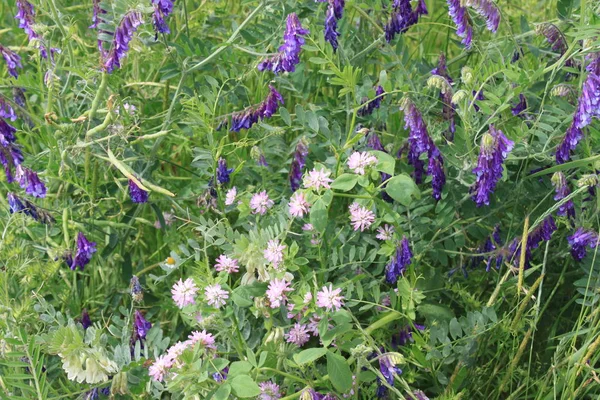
(581, 239)
(448, 111)
(121, 39)
(419, 142)
(19, 205)
(554, 36)
(298, 163)
(141, 326)
(30, 181)
(6, 110)
(488, 10)
(222, 172)
(399, 262)
(388, 369)
(7, 133)
(569, 143)
(588, 105)
(245, 119)
(464, 30)
(542, 232)
(289, 52)
(335, 10)
(13, 61)
(494, 150)
(137, 293)
(137, 194)
(562, 190)
(374, 142)
(368, 108)
(520, 106)
(95, 14)
(86, 322)
(403, 17)
(162, 9)
(26, 17)
(85, 250)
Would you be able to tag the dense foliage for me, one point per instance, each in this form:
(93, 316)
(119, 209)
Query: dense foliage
(299, 200)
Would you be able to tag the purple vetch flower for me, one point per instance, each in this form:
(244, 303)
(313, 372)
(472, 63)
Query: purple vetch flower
(568, 144)
(96, 11)
(298, 163)
(419, 142)
(581, 239)
(135, 289)
(13, 61)
(588, 106)
(6, 110)
(140, 326)
(459, 15)
(521, 106)
(542, 232)
(7, 133)
(401, 259)
(374, 142)
(419, 395)
(388, 369)
(403, 17)
(488, 10)
(562, 190)
(368, 108)
(245, 119)
(222, 171)
(123, 35)
(335, 10)
(494, 150)
(162, 9)
(29, 180)
(554, 36)
(26, 18)
(404, 336)
(492, 243)
(289, 52)
(137, 194)
(448, 111)
(221, 375)
(85, 250)
(86, 322)
(20, 205)
(477, 95)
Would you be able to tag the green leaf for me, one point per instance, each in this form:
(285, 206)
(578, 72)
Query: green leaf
(403, 189)
(386, 163)
(313, 121)
(309, 355)
(435, 312)
(223, 392)
(318, 60)
(569, 165)
(285, 116)
(244, 386)
(455, 329)
(239, 368)
(339, 372)
(318, 215)
(564, 8)
(345, 182)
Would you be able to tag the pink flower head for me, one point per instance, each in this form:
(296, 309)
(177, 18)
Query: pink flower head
(260, 203)
(215, 296)
(225, 263)
(308, 227)
(269, 391)
(277, 292)
(385, 232)
(175, 351)
(230, 196)
(184, 293)
(330, 298)
(360, 217)
(317, 179)
(160, 367)
(297, 335)
(298, 205)
(274, 253)
(358, 161)
(205, 339)
(308, 297)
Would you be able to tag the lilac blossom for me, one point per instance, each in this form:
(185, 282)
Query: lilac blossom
(85, 250)
(13, 61)
(245, 119)
(223, 172)
(361, 217)
(401, 259)
(298, 163)
(562, 190)
(494, 150)
(289, 51)
(329, 298)
(298, 335)
(162, 9)
(277, 292)
(403, 17)
(581, 239)
(123, 35)
(368, 106)
(184, 292)
(459, 15)
(137, 194)
(488, 10)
